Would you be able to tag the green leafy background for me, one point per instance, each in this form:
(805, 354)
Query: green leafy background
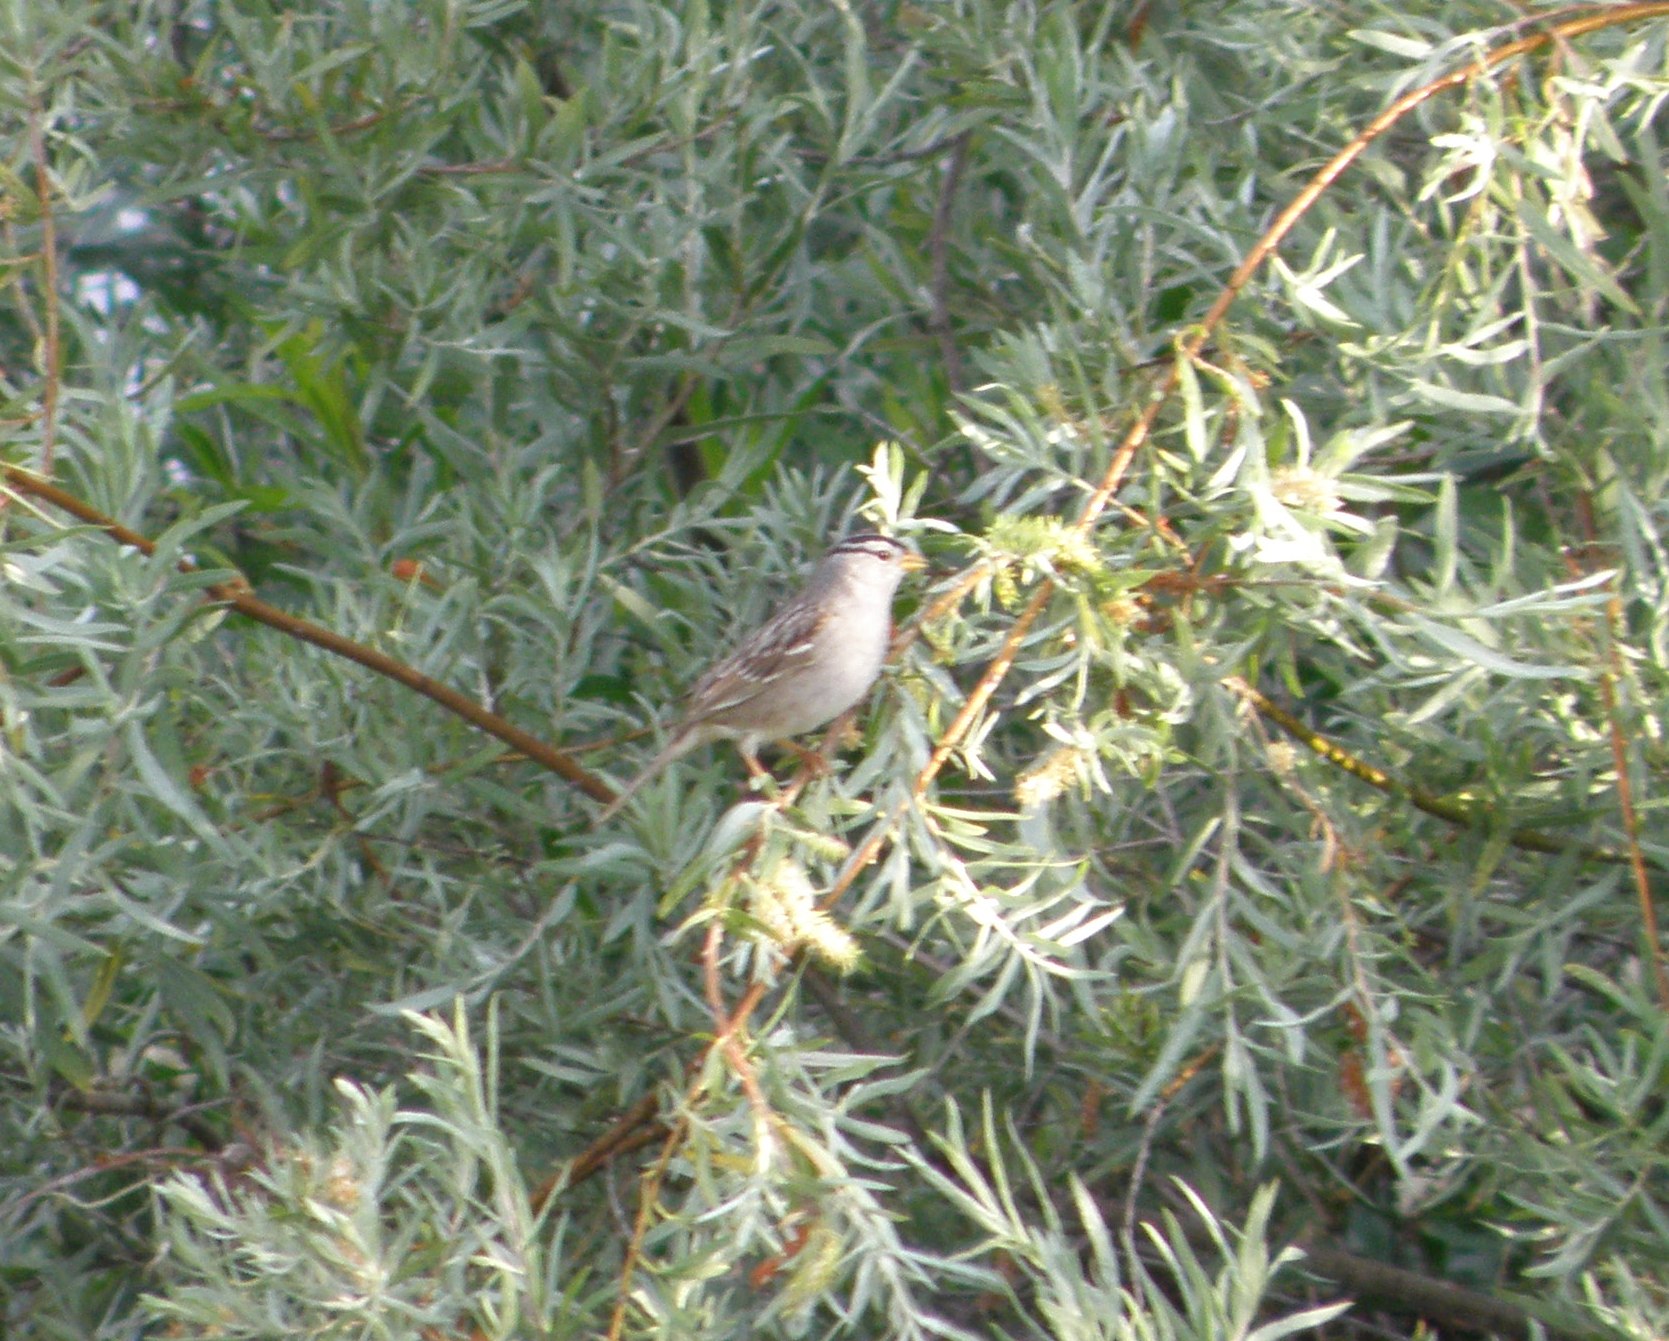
(541, 347)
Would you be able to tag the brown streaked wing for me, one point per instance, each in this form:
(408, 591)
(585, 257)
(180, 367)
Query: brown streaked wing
(780, 647)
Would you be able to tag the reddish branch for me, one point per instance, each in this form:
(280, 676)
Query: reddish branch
(236, 593)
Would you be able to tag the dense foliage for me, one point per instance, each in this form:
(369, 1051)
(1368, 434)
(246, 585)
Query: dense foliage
(1231, 915)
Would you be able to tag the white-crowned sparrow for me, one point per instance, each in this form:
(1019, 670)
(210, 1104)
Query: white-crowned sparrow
(805, 665)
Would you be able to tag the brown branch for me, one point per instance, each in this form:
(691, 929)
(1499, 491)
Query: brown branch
(1453, 812)
(236, 594)
(1317, 186)
(867, 850)
(648, 1193)
(1625, 800)
(635, 1128)
(165, 1157)
(727, 1025)
(1191, 345)
(484, 168)
(369, 121)
(108, 1103)
(1416, 1295)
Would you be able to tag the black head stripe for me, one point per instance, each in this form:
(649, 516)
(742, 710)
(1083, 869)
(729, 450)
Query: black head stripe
(876, 546)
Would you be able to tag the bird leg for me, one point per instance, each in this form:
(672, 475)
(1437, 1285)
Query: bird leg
(815, 762)
(750, 760)
(760, 778)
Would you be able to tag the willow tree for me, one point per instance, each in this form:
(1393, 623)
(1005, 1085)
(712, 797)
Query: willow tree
(1233, 913)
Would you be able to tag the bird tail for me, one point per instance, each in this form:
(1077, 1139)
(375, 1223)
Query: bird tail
(678, 745)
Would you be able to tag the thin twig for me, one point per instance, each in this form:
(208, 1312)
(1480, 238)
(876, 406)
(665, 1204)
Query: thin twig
(726, 1025)
(49, 282)
(649, 1191)
(168, 1157)
(1625, 800)
(636, 1127)
(1150, 1128)
(938, 251)
(867, 850)
(1454, 812)
(930, 150)
(108, 1103)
